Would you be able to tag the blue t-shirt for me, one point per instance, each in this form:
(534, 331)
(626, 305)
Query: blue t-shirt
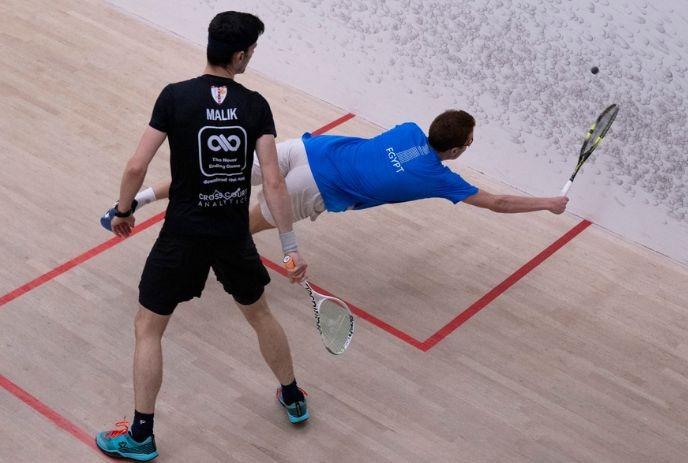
(393, 167)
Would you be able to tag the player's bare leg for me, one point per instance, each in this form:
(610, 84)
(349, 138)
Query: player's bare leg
(149, 328)
(257, 222)
(275, 350)
(271, 338)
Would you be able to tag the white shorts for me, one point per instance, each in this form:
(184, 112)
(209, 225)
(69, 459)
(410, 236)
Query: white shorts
(306, 200)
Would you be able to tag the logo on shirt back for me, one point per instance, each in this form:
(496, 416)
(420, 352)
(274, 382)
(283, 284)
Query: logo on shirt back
(224, 163)
(407, 155)
(394, 159)
(222, 152)
(219, 93)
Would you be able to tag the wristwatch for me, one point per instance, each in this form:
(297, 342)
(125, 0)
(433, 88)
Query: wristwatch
(123, 214)
(134, 203)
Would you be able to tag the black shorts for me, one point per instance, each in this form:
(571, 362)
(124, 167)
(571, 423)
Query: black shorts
(177, 268)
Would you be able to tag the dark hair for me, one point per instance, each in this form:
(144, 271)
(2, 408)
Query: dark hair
(450, 130)
(231, 32)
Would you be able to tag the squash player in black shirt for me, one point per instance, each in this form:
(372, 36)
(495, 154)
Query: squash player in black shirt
(213, 125)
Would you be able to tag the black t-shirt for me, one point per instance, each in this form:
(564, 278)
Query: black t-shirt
(212, 124)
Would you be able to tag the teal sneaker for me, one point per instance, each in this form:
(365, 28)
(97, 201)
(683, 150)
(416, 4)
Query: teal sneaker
(296, 412)
(119, 444)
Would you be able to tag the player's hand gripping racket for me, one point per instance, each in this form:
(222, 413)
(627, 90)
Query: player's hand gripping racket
(593, 138)
(333, 318)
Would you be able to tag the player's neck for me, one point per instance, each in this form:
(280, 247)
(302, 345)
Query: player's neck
(219, 71)
(451, 154)
(444, 155)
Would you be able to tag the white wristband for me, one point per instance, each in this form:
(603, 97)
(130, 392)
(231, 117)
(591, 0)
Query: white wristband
(288, 240)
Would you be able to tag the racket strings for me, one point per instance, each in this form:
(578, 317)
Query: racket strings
(597, 132)
(336, 325)
(604, 122)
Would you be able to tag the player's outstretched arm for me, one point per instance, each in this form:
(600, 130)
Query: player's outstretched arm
(277, 198)
(160, 190)
(514, 204)
(133, 176)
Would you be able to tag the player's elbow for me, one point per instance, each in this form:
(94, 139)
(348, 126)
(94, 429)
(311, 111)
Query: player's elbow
(489, 201)
(500, 204)
(273, 182)
(135, 169)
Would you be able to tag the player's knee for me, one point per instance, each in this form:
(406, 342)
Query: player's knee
(257, 314)
(257, 318)
(148, 324)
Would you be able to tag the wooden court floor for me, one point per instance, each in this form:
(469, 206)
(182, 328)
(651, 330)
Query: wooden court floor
(481, 337)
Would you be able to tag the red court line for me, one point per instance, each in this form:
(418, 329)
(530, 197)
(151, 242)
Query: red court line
(466, 314)
(48, 412)
(333, 124)
(80, 259)
(481, 303)
(355, 310)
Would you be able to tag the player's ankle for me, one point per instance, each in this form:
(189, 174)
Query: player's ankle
(291, 393)
(142, 427)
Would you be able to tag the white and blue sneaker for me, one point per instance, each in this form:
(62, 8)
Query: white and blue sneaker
(106, 219)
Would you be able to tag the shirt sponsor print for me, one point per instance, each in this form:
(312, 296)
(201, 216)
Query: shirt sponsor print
(222, 151)
(222, 159)
(221, 198)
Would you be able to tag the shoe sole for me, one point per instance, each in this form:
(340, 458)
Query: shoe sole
(299, 419)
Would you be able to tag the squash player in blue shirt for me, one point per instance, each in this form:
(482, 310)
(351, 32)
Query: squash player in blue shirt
(340, 173)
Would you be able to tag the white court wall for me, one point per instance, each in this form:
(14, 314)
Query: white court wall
(522, 68)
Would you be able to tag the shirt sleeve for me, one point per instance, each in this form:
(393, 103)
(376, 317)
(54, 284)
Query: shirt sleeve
(453, 187)
(265, 122)
(163, 111)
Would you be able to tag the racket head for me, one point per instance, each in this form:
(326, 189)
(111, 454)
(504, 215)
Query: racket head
(335, 324)
(594, 136)
(599, 129)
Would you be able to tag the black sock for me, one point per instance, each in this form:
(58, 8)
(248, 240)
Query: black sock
(142, 427)
(291, 393)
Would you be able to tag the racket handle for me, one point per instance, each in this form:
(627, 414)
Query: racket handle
(288, 263)
(566, 188)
